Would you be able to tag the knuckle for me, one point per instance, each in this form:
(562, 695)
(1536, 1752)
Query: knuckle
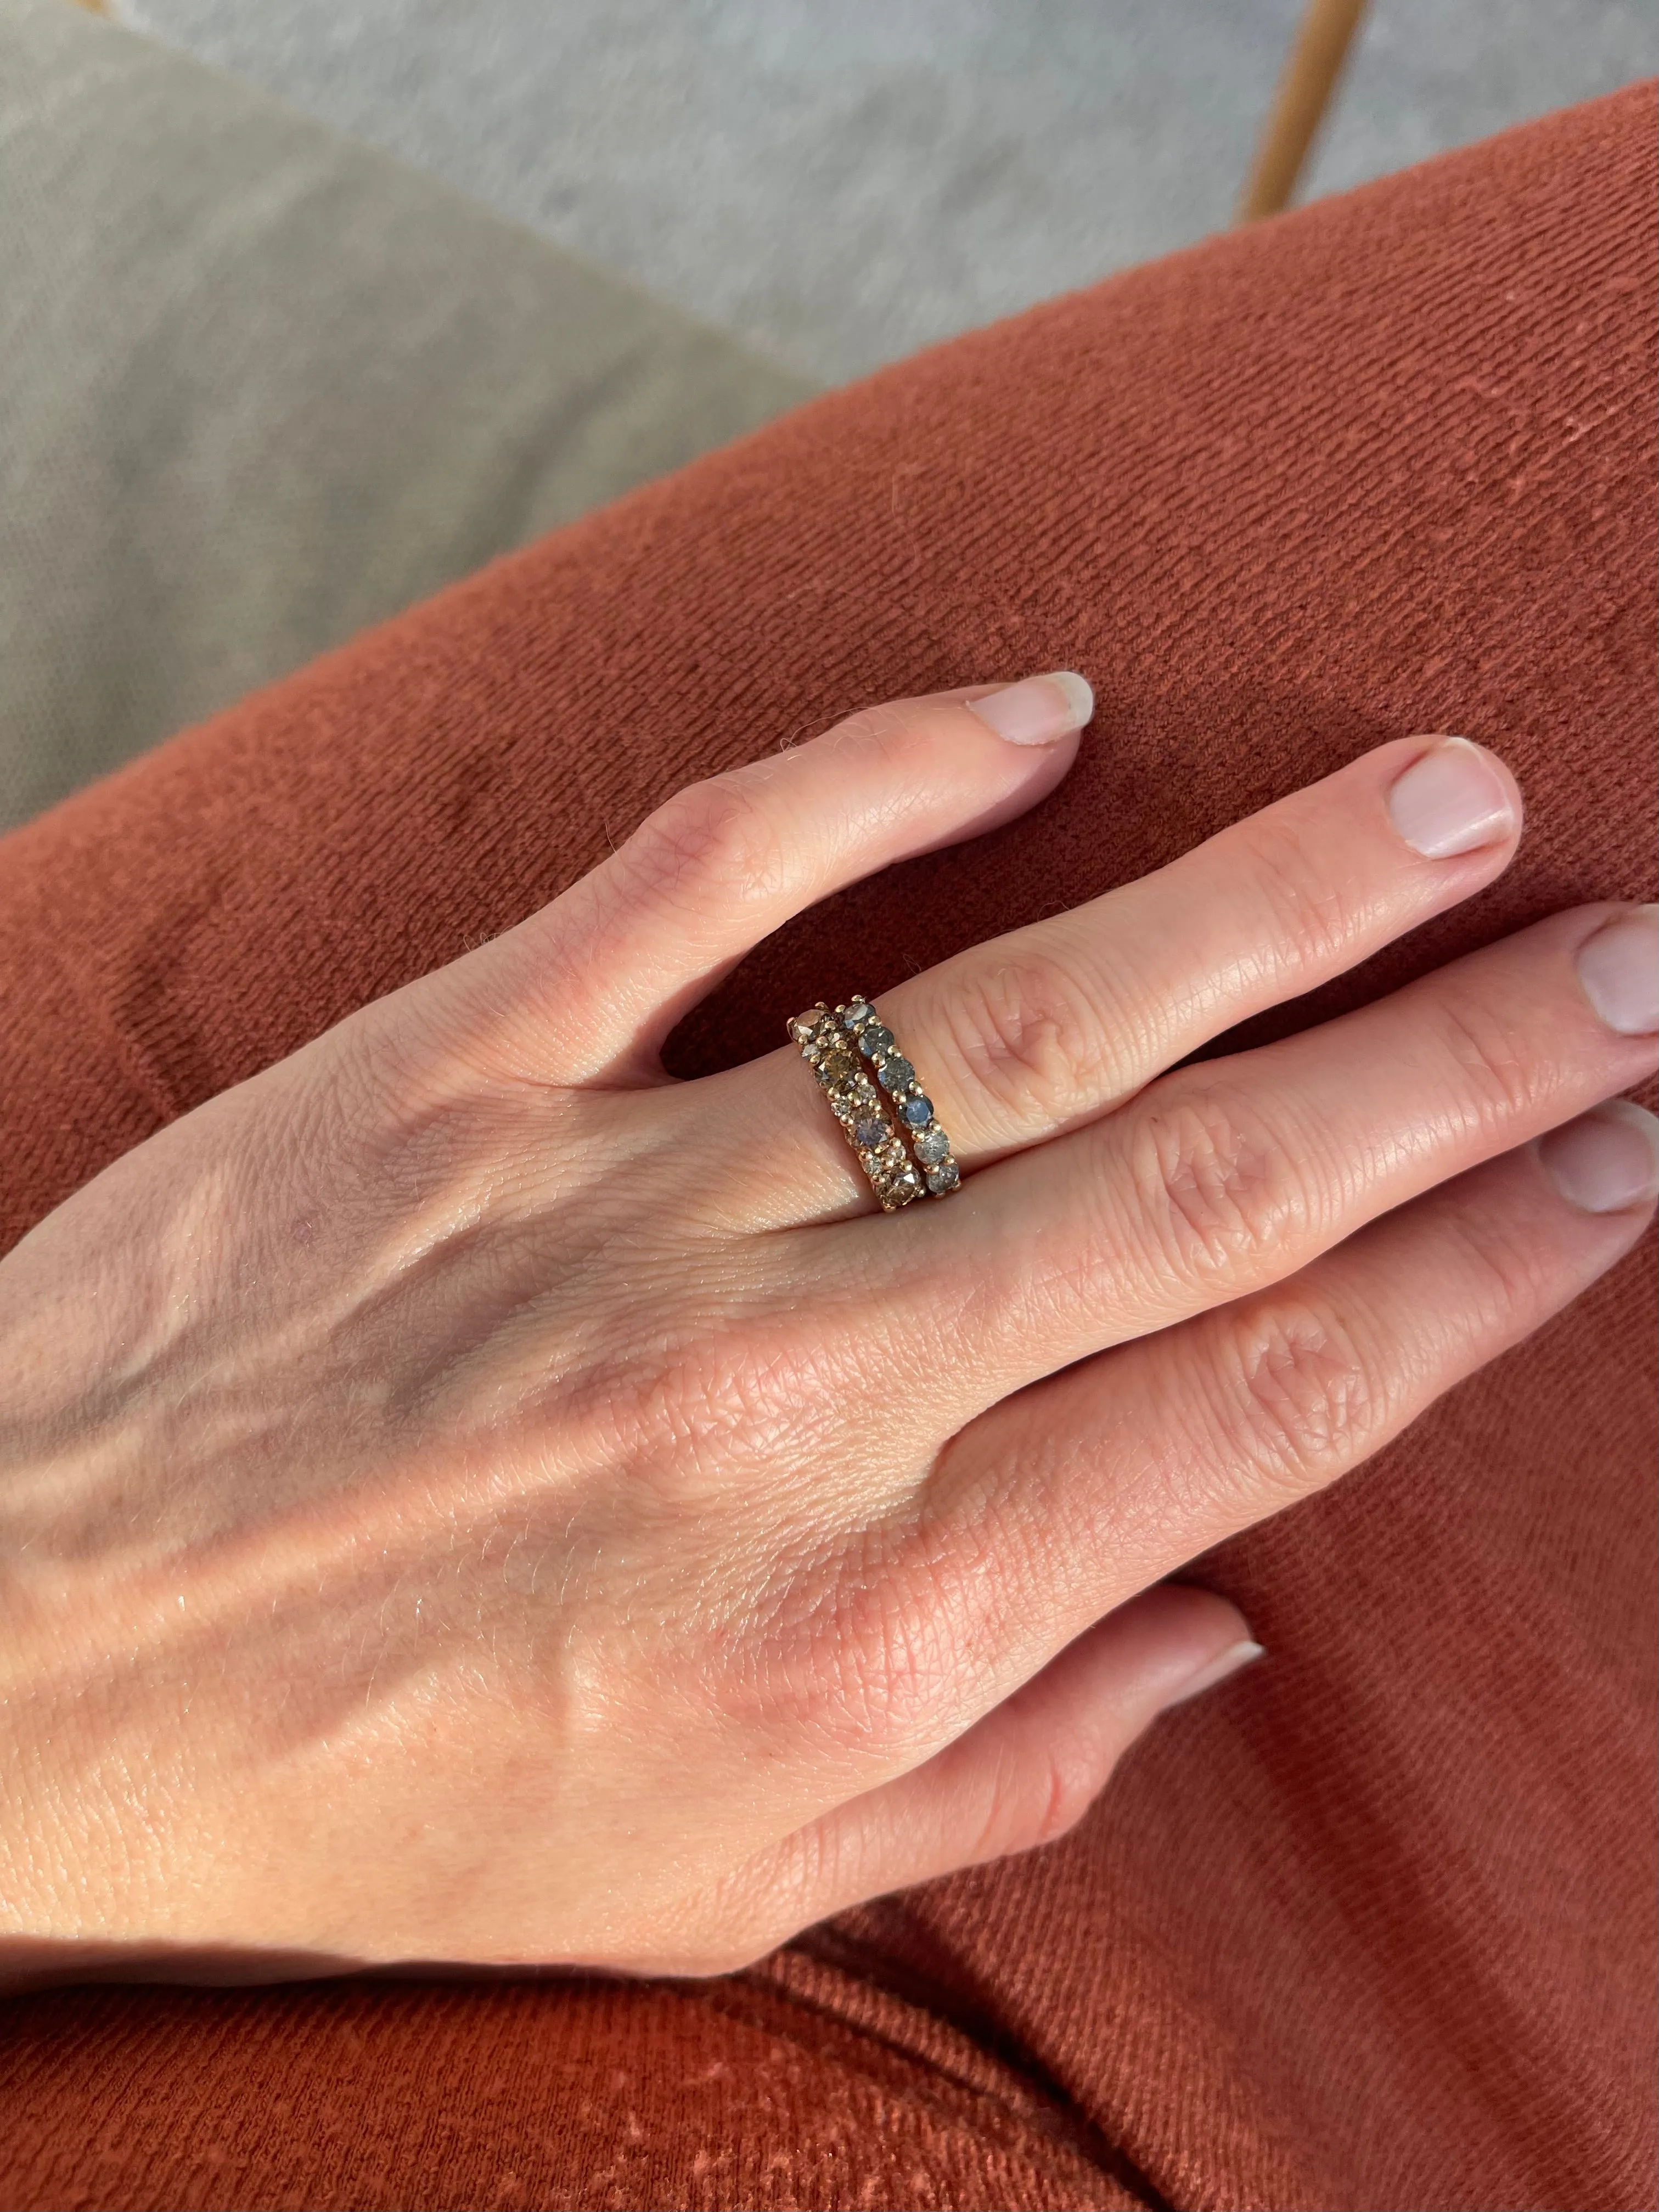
(879, 1670)
(863, 1659)
(1309, 913)
(1508, 1278)
(1495, 1060)
(1024, 1035)
(1219, 1193)
(719, 836)
(887, 734)
(389, 1128)
(1053, 1801)
(1300, 1401)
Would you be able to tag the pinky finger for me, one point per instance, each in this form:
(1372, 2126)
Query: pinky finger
(1113, 1472)
(1023, 1775)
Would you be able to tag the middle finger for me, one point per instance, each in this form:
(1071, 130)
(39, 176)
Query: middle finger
(1037, 1031)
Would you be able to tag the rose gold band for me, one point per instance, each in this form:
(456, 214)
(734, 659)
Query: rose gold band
(873, 1093)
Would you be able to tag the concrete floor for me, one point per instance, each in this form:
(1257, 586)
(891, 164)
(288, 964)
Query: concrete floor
(841, 181)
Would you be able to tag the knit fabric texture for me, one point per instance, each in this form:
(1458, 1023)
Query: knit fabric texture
(1370, 1927)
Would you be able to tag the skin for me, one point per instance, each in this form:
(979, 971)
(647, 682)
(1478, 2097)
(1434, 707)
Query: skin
(467, 1496)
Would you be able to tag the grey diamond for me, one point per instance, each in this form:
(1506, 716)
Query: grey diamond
(869, 1130)
(941, 1179)
(852, 1015)
(895, 1073)
(932, 1145)
(874, 1039)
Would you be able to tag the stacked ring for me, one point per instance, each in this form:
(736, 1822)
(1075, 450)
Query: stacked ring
(874, 1094)
(897, 1079)
(867, 1122)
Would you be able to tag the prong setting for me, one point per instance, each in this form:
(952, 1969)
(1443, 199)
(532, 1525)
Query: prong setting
(934, 1169)
(829, 1046)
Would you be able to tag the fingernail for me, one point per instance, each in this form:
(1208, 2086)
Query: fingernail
(1215, 1671)
(1606, 1160)
(1039, 710)
(1452, 800)
(1618, 968)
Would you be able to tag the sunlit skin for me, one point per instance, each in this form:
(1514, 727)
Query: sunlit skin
(465, 1496)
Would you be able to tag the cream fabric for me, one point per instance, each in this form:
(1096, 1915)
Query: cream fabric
(262, 386)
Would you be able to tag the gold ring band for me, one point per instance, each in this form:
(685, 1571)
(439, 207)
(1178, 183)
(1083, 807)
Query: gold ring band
(874, 1094)
(868, 1123)
(876, 1043)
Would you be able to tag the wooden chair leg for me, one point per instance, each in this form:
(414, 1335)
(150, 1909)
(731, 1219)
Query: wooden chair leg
(1305, 86)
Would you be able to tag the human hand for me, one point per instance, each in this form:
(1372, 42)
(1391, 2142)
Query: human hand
(463, 1496)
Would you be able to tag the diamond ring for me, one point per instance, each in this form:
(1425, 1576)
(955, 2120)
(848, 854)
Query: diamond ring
(873, 1092)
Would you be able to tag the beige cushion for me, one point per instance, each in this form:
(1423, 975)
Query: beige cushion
(262, 386)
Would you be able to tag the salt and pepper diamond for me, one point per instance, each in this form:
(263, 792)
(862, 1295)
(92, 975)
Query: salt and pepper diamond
(934, 1166)
(827, 1046)
(932, 1148)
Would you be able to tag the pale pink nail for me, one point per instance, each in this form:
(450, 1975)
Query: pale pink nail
(1606, 1159)
(1454, 799)
(1618, 968)
(1215, 1671)
(1039, 710)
